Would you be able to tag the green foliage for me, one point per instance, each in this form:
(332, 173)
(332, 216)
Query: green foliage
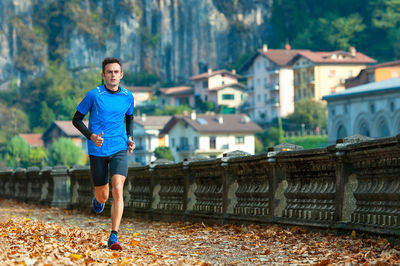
(12, 121)
(163, 153)
(172, 110)
(37, 157)
(64, 152)
(270, 137)
(308, 112)
(142, 78)
(204, 106)
(17, 152)
(47, 115)
(258, 145)
(309, 142)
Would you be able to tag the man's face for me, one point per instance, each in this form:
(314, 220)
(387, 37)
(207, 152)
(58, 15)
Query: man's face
(112, 75)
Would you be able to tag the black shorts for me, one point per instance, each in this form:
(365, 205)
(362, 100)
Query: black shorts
(103, 167)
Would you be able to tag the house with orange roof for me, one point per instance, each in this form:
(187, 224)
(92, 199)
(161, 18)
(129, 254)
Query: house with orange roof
(221, 87)
(269, 78)
(209, 135)
(375, 73)
(175, 96)
(33, 140)
(317, 74)
(65, 129)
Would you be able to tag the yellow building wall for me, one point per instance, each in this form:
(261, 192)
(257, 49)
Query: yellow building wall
(387, 73)
(330, 78)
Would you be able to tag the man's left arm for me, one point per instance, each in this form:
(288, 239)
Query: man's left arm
(129, 131)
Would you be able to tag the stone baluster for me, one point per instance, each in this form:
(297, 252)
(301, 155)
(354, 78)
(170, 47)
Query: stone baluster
(46, 195)
(208, 177)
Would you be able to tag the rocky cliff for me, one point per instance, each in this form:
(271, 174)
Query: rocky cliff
(172, 38)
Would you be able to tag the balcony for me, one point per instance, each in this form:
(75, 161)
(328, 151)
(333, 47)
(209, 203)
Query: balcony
(273, 86)
(274, 103)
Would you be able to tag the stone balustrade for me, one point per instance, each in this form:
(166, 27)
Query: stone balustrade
(353, 185)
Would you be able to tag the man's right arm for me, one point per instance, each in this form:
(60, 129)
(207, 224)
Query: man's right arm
(77, 121)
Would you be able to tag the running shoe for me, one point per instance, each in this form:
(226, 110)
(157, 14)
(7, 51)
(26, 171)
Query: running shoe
(97, 206)
(113, 243)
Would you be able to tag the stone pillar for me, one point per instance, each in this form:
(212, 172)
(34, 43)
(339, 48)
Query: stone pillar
(46, 194)
(20, 184)
(278, 183)
(5, 176)
(82, 190)
(62, 187)
(34, 185)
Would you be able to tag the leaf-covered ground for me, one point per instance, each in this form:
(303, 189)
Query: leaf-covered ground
(36, 235)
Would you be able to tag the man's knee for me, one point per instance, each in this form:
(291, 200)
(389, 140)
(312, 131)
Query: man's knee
(102, 194)
(118, 186)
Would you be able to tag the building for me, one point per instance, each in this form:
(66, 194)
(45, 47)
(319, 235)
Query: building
(221, 87)
(33, 140)
(142, 94)
(375, 73)
(317, 74)
(210, 135)
(146, 136)
(371, 110)
(65, 129)
(175, 96)
(269, 83)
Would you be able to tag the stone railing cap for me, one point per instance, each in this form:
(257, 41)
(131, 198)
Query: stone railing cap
(353, 139)
(285, 147)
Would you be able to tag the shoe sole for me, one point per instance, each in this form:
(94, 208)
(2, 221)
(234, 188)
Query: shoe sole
(116, 246)
(95, 209)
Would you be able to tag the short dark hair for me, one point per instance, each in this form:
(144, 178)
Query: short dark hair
(111, 60)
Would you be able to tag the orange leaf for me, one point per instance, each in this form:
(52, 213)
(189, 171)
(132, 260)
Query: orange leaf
(134, 243)
(75, 256)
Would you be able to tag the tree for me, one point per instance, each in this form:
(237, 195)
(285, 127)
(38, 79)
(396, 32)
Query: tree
(269, 137)
(64, 152)
(172, 110)
(37, 156)
(17, 152)
(163, 153)
(308, 112)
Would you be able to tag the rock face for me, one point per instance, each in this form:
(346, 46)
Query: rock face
(172, 38)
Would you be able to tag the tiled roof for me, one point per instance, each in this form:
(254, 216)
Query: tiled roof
(207, 75)
(280, 57)
(182, 90)
(68, 128)
(327, 57)
(231, 123)
(34, 140)
(386, 64)
(154, 121)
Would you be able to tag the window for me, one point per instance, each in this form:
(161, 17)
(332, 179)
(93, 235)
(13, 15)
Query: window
(206, 98)
(205, 84)
(212, 142)
(196, 142)
(173, 142)
(259, 98)
(258, 82)
(228, 97)
(372, 108)
(223, 82)
(239, 139)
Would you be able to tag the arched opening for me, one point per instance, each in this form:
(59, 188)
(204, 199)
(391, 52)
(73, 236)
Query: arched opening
(341, 132)
(383, 129)
(363, 129)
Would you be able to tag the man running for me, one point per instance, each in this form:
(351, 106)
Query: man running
(109, 140)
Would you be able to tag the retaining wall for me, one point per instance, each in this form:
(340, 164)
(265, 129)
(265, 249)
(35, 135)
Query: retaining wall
(353, 185)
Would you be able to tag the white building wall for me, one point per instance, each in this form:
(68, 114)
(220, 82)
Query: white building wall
(286, 91)
(369, 111)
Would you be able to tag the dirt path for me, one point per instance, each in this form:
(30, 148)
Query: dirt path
(34, 235)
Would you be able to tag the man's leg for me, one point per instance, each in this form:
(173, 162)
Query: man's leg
(117, 207)
(101, 193)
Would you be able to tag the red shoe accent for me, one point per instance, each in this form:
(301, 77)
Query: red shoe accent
(116, 246)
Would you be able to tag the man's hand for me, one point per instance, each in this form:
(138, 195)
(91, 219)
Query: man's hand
(131, 145)
(97, 139)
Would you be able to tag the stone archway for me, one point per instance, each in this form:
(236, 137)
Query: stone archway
(341, 132)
